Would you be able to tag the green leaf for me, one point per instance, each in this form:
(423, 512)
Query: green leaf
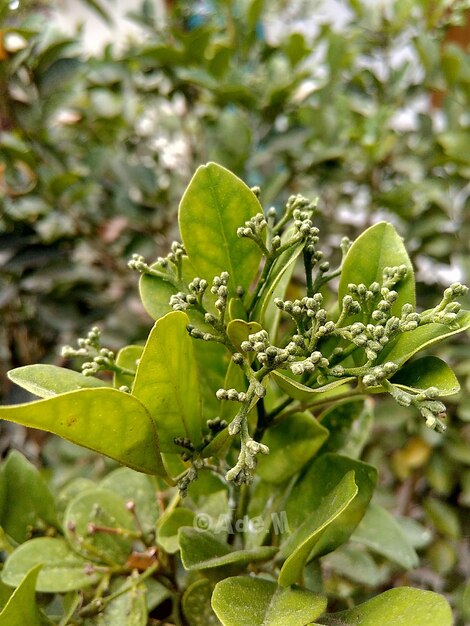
(196, 604)
(378, 247)
(402, 606)
(201, 550)
(128, 358)
(138, 488)
(292, 443)
(408, 344)
(21, 608)
(214, 205)
(103, 509)
(429, 371)
(260, 602)
(62, 570)
(155, 293)
(301, 392)
(105, 420)
(299, 545)
(49, 380)
(28, 500)
(238, 331)
(380, 532)
(166, 382)
(126, 609)
(169, 525)
(357, 565)
(349, 425)
(312, 488)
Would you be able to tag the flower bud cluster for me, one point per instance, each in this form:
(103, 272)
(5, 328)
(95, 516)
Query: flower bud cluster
(310, 318)
(304, 226)
(197, 333)
(90, 346)
(198, 286)
(299, 202)
(253, 228)
(230, 394)
(393, 275)
(267, 354)
(242, 473)
(139, 264)
(216, 425)
(219, 289)
(105, 360)
(316, 361)
(378, 374)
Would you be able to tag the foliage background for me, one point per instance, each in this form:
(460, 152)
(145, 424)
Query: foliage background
(372, 117)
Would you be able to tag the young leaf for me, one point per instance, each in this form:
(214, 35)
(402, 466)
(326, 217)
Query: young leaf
(408, 344)
(201, 550)
(238, 331)
(292, 443)
(155, 293)
(21, 608)
(397, 607)
(260, 602)
(128, 358)
(381, 533)
(312, 488)
(28, 500)
(100, 508)
(298, 391)
(166, 382)
(378, 247)
(298, 546)
(49, 380)
(62, 570)
(429, 371)
(214, 205)
(105, 420)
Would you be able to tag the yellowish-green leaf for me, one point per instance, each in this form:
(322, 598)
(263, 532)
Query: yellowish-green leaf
(105, 420)
(21, 608)
(429, 371)
(128, 358)
(260, 602)
(298, 391)
(214, 205)
(46, 381)
(403, 606)
(166, 382)
(378, 247)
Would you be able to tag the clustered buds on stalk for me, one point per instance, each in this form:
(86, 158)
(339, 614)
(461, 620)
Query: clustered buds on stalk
(320, 343)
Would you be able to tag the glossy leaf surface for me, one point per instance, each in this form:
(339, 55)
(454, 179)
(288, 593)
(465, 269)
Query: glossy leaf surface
(166, 382)
(260, 602)
(21, 608)
(324, 474)
(299, 545)
(292, 443)
(214, 205)
(48, 380)
(105, 420)
(298, 391)
(428, 371)
(378, 247)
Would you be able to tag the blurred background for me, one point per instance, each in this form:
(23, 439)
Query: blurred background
(108, 107)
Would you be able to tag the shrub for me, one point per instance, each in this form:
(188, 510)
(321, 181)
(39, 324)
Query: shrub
(247, 413)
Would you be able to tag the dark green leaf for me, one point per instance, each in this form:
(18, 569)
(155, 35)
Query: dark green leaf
(197, 604)
(296, 549)
(292, 443)
(28, 501)
(429, 371)
(200, 550)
